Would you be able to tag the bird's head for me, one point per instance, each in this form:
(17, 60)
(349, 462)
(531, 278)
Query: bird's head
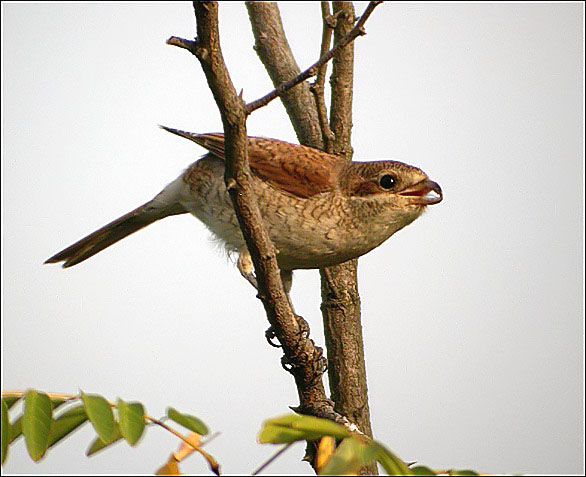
(389, 193)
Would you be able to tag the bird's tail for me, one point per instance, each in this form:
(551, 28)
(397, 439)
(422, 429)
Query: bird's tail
(163, 205)
(106, 236)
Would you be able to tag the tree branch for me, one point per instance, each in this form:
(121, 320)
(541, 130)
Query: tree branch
(313, 69)
(336, 302)
(317, 88)
(274, 52)
(303, 359)
(340, 298)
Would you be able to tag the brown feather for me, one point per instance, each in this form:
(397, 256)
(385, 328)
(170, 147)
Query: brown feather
(311, 172)
(109, 234)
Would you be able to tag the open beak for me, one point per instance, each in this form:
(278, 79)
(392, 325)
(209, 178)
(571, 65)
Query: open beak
(425, 192)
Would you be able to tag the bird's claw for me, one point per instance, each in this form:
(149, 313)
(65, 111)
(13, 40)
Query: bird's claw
(270, 336)
(303, 327)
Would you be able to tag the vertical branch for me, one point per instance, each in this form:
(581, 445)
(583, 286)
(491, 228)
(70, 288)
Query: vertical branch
(342, 82)
(275, 54)
(341, 305)
(340, 298)
(317, 88)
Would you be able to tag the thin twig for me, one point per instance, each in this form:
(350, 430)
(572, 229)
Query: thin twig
(317, 88)
(272, 458)
(188, 45)
(358, 30)
(67, 397)
(211, 461)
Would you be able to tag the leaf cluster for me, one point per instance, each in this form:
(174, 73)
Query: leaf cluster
(47, 418)
(354, 451)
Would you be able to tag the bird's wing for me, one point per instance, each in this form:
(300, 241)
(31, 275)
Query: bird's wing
(298, 170)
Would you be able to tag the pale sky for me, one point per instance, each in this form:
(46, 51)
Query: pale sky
(473, 315)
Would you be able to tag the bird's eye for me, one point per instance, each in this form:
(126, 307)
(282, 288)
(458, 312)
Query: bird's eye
(387, 181)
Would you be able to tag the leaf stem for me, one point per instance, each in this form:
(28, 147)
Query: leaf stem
(272, 458)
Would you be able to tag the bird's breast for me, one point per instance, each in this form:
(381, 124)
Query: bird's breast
(313, 232)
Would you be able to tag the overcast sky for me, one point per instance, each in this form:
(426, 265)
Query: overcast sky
(473, 315)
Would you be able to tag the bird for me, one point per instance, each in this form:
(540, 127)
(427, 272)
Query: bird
(319, 209)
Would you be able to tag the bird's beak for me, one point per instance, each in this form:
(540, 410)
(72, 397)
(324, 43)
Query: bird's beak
(425, 192)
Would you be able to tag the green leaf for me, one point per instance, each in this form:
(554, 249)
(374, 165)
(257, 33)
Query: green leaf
(98, 444)
(5, 427)
(100, 415)
(295, 427)
(282, 435)
(66, 423)
(131, 416)
(390, 462)
(11, 399)
(36, 423)
(349, 457)
(324, 427)
(186, 420)
(15, 430)
(462, 472)
(422, 470)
